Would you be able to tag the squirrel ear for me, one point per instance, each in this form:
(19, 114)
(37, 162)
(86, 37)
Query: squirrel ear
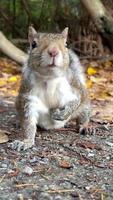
(65, 33)
(31, 34)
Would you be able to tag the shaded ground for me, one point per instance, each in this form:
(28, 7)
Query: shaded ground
(63, 165)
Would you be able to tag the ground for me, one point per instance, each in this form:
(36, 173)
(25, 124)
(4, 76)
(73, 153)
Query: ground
(63, 165)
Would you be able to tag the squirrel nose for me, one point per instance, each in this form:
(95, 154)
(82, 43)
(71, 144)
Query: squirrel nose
(53, 52)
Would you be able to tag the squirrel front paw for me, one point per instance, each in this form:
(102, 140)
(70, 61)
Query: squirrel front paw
(21, 145)
(87, 131)
(60, 114)
(65, 112)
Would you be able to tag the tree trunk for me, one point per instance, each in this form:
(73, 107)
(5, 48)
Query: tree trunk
(12, 51)
(102, 19)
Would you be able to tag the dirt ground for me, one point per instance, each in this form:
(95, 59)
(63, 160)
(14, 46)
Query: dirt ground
(63, 165)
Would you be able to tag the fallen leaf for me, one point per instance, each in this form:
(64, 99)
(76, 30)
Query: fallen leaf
(13, 92)
(3, 137)
(12, 79)
(103, 94)
(25, 185)
(13, 173)
(91, 71)
(65, 164)
(2, 82)
(88, 83)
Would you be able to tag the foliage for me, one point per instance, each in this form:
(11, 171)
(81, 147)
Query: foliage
(53, 16)
(16, 15)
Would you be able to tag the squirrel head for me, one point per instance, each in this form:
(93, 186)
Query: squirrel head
(48, 50)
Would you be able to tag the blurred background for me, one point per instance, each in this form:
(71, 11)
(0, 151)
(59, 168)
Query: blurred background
(53, 16)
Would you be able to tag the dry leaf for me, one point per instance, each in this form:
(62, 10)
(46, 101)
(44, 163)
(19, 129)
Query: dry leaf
(12, 79)
(13, 92)
(2, 82)
(65, 164)
(91, 71)
(13, 173)
(108, 64)
(3, 137)
(88, 83)
(110, 93)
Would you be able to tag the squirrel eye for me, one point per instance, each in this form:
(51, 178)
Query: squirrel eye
(66, 44)
(34, 44)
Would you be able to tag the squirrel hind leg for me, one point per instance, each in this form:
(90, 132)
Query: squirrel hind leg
(82, 121)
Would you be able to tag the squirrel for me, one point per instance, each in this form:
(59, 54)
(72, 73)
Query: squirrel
(52, 89)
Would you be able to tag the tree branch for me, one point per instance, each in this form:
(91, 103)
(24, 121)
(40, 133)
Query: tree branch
(102, 19)
(11, 50)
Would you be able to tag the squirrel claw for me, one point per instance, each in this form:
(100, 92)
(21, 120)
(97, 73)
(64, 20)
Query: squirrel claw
(87, 131)
(21, 145)
(59, 114)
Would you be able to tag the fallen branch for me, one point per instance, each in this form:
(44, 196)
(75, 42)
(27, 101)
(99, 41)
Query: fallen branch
(11, 50)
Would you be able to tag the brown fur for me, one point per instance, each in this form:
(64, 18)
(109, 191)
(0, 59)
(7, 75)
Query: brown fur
(51, 86)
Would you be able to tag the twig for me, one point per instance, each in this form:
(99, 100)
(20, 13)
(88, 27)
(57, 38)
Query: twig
(25, 185)
(94, 191)
(61, 191)
(80, 198)
(101, 196)
(44, 176)
(2, 178)
(15, 164)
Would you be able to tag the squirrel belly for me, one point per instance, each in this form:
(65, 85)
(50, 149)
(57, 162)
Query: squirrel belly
(45, 95)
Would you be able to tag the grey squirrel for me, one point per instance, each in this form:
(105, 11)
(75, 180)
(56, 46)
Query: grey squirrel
(52, 89)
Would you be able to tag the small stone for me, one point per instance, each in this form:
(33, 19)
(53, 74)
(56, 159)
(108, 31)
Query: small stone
(28, 170)
(33, 160)
(108, 157)
(45, 187)
(61, 150)
(2, 150)
(58, 197)
(4, 165)
(109, 144)
(34, 149)
(20, 197)
(88, 187)
(10, 171)
(45, 196)
(74, 194)
(91, 154)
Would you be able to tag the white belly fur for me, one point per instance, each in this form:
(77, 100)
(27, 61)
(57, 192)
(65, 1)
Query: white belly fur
(56, 93)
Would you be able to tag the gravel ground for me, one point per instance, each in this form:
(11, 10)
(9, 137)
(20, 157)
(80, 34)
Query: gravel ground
(62, 165)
